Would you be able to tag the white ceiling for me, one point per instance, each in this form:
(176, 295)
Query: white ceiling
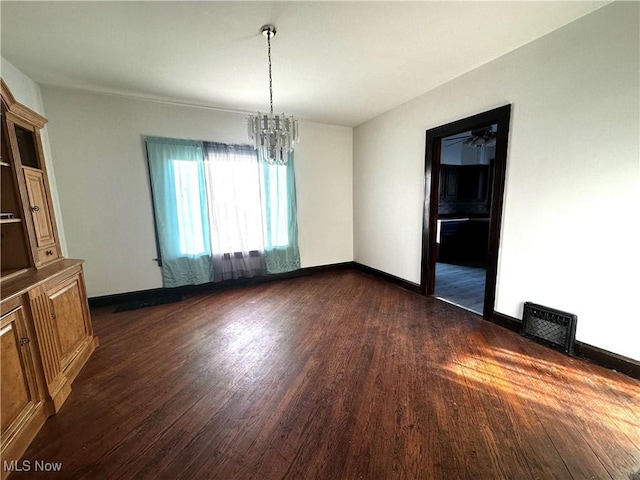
(335, 62)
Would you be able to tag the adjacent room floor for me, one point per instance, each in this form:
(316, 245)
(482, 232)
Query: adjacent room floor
(461, 285)
(337, 375)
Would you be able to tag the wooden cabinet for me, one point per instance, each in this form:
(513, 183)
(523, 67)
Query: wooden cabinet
(449, 181)
(15, 247)
(46, 330)
(19, 389)
(41, 215)
(29, 232)
(468, 182)
(464, 241)
(69, 310)
(47, 337)
(62, 323)
(22, 399)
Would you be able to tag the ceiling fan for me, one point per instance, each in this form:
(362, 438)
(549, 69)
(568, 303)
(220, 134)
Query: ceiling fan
(484, 137)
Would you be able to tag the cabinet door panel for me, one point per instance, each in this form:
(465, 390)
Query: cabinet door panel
(19, 392)
(40, 208)
(67, 302)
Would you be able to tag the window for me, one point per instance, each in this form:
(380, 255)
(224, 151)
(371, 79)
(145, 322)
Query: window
(232, 179)
(220, 213)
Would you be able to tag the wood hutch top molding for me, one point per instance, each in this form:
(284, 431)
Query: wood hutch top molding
(20, 110)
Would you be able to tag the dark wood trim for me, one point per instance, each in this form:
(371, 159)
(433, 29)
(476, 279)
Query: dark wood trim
(412, 287)
(607, 359)
(584, 351)
(430, 221)
(500, 116)
(503, 116)
(106, 300)
(118, 298)
(505, 321)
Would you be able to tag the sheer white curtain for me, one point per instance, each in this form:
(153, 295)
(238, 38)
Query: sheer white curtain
(232, 179)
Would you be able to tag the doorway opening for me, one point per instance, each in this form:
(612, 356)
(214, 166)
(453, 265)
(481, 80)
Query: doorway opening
(465, 165)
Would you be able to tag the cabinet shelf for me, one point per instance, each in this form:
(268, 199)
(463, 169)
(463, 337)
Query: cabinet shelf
(4, 221)
(9, 273)
(4, 164)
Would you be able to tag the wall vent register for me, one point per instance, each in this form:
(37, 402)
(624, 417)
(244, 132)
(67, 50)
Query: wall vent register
(550, 327)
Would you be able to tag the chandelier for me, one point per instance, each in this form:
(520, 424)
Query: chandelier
(272, 135)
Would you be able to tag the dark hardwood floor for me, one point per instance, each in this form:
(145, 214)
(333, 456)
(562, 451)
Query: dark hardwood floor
(337, 375)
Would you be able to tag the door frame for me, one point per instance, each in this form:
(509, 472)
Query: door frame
(500, 116)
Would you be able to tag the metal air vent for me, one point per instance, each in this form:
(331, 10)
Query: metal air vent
(551, 327)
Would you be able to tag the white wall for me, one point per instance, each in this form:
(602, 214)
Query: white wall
(570, 224)
(99, 156)
(27, 92)
(24, 90)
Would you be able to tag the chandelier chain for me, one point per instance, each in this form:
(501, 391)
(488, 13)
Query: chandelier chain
(270, 79)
